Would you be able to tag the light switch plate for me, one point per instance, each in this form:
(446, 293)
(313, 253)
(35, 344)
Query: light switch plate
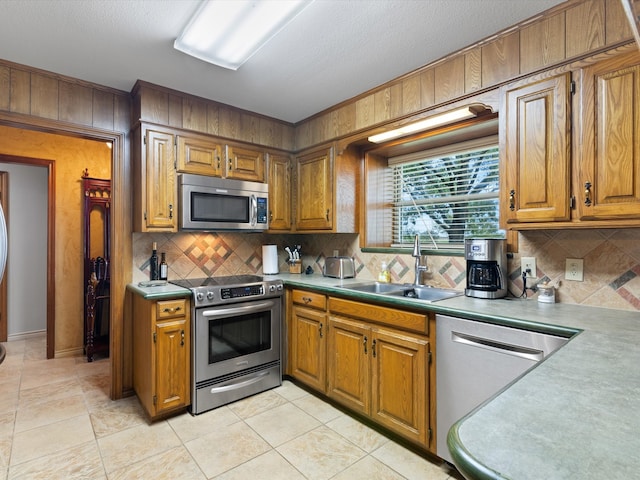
(574, 269)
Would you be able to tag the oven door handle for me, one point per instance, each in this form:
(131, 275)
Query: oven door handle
(225, 312)
(234, 386)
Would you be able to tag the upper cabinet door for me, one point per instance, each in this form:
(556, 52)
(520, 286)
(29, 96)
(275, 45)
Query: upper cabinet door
(199, 155)
(608, 169)
(160, 177)
(279, 192)
(314, 190)
(245, 164)
(535, 158)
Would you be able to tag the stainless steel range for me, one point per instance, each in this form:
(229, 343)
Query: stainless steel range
(236, 338)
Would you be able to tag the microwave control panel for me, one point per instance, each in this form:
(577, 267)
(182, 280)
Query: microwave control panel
(262, 210)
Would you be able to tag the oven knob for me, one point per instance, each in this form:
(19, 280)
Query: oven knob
(209, 295)
(272, 288)
(199, 296)
(279, 287)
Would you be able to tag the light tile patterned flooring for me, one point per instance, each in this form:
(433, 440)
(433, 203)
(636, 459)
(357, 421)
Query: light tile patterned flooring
(57, 422)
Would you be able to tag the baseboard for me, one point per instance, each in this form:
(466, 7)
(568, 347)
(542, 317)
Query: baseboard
(26, 335)
(70, 352)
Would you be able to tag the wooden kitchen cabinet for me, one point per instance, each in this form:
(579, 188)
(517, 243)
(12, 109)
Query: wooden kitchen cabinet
(243, 163)
(326, 190)
(279, 180)
(400, 381)
(161, 355)
(155, 199)
(314, 184)
(307, 338)
(380, 372)
(534, 152)
(199, 155)
(586, 177)
(349, 363)
(204, 155)
(608, 140)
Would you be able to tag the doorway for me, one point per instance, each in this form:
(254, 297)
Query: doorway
(30, 266)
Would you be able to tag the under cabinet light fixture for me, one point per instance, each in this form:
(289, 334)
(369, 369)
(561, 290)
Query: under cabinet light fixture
(228, 32)
(431, 122)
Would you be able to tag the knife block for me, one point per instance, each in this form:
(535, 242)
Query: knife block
(295, 266)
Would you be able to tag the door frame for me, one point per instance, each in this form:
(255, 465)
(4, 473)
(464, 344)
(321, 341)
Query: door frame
(51, 241)
(121, 208)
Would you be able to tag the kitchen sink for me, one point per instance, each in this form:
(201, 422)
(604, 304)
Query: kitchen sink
(376, 287)
(419, 292)
(430, 294)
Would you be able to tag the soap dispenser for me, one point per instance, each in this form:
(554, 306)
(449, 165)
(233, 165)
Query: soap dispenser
(384, 276)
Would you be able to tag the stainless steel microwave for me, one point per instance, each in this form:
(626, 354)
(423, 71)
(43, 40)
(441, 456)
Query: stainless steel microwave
(212, 203)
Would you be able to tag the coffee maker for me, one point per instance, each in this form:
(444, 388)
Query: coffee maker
(486, 267)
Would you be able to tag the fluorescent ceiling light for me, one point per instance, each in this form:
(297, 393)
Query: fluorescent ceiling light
(228, 32)
(426, 124)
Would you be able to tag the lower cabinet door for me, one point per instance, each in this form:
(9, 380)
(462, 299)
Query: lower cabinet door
(173, 364)
(348, 363)
(400, 382)
(308, 347)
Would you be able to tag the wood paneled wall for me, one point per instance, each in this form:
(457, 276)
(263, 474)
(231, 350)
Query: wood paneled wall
(156, 104)
(560, 35)
(53, 97)
(33, 99)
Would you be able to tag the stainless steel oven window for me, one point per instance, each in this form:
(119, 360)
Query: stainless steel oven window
(237, 336)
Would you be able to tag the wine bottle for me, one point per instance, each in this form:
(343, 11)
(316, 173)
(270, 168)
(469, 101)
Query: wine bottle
(164, 268)
(153, 263)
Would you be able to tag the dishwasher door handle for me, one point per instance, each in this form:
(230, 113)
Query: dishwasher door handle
(510, 349)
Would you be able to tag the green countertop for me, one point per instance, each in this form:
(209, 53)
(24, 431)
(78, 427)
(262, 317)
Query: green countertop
(573, 416)
(162, 292)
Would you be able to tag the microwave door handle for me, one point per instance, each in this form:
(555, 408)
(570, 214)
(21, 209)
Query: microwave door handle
(225, 312)
(254, 210)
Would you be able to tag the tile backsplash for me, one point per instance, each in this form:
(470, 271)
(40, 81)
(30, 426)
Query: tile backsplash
(611, 260)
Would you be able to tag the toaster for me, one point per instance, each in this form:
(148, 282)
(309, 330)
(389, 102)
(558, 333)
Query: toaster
(339, 267)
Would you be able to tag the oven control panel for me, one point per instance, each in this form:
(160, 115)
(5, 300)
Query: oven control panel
(237, 292)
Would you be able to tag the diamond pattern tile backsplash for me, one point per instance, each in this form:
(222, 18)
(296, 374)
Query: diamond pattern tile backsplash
(611, 260)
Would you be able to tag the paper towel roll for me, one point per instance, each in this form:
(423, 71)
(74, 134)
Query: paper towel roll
(269, 259)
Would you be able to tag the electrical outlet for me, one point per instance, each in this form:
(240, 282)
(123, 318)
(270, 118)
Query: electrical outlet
(336, 253)
(528, 264)
(574, 269)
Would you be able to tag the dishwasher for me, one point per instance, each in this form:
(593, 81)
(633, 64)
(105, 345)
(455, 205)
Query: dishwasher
(475, 360)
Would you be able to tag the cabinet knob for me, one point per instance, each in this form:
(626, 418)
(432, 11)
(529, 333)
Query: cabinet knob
(307, 300)
(270, 216)
(320, 329)
(170, 210)
(171, 310)
(365, 344)
(512, 200)
(373, 348)
(327, 214)
(587, 194)
(182, 337)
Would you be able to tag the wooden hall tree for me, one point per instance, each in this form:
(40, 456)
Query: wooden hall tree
(97, 223)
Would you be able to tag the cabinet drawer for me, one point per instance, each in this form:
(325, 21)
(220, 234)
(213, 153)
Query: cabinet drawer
(171, 308)
(415, 322)
(309, 299)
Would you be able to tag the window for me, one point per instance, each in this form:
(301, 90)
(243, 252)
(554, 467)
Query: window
(446, 194)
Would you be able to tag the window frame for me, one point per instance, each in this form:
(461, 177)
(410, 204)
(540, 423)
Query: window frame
(375, 232)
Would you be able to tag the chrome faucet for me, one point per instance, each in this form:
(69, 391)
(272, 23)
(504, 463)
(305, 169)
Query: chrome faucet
(421, 261)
